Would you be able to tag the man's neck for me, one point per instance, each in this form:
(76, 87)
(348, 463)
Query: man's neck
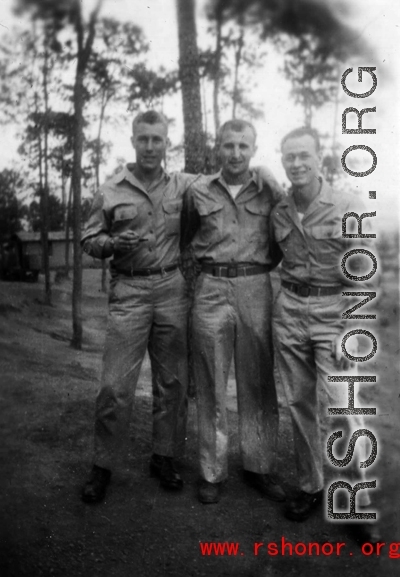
(304, 196)
(234, 180)
(146, 177)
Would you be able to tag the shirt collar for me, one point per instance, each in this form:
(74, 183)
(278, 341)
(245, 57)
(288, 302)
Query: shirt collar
(325, 195)
(254, 178)
(127, 174)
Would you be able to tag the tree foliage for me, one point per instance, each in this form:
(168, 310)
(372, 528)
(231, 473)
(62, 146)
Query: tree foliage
(56, 215)
(230, 67)
(12, 211)
(325, 21)
(313, 74)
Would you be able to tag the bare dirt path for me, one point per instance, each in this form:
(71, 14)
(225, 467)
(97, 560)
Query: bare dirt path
(47, 396)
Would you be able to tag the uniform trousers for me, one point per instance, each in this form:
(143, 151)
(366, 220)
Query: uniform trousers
(232, 318)
(304, 329)
(144, 313)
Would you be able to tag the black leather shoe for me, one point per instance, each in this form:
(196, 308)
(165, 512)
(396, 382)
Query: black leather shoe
(209, 492)
(266, 484)
(164, 468)
(300, 507)
(96, 486)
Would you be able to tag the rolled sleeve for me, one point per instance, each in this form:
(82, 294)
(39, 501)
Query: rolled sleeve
(96, 233)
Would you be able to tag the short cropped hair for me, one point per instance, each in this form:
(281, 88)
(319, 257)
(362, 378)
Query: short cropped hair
(303, 131)
(236, 125)
(149, 117)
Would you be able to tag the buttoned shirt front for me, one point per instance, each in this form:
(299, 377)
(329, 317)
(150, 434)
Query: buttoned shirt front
(123, 204)
(223, 229)
(313, 249)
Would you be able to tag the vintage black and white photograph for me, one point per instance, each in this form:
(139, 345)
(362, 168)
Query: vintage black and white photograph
(199, 288)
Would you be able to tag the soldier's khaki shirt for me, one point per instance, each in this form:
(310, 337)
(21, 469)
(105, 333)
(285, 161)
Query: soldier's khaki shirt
(123, 203)
(313, 249)
(227, 230)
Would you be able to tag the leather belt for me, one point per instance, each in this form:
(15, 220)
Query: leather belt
(304, 290)
(145, 271)
(234, 270)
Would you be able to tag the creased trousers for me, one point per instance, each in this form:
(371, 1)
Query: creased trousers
(144, 313)
(232, 318)
(304, 329)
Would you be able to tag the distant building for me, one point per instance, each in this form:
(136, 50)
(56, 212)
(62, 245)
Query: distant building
(21, 257)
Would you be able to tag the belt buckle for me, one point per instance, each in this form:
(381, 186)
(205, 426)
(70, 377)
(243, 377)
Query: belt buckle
(304, 291)
(232, 272)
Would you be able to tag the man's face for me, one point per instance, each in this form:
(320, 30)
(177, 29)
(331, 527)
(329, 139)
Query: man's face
(235, 151)
(150, 142)
(301, 160)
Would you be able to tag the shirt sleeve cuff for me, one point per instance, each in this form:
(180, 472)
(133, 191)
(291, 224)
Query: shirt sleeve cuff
(98, 247)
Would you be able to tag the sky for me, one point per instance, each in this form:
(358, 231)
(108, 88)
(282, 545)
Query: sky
(375, 21)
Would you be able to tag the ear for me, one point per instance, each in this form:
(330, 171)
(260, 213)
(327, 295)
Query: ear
(167, 142)
(255, 148)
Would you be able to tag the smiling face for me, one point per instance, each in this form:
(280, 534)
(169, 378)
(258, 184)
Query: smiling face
(301, 160)
(150, 143)
(236, 149)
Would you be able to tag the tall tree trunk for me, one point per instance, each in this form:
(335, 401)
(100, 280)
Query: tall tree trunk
(45, 192)
(83, 54)
(217, 66)
(190, 81)
(104, 101)
(204, 103)
(238, 59)
(63, 179)
(67, 229)
(41, 185)
(77, 210)
(43, 166)
(194, 135)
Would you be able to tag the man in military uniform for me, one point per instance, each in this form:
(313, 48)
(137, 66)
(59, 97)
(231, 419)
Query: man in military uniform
(307, 319)
(226, 218)
(135, 218)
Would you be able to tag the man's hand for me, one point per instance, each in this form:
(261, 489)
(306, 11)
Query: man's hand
(342, 362)
(126, 241)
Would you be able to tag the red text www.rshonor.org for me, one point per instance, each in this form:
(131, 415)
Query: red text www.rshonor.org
(300, 549)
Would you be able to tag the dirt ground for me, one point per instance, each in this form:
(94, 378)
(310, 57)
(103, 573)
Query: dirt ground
(47, 398)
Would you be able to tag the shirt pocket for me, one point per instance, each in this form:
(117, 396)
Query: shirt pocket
(124, 218)
(327, 243)
(211, 216)
(172, 216)
(256, 222)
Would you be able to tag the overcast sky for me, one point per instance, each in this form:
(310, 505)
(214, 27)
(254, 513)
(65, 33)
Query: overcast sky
(376, 21)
